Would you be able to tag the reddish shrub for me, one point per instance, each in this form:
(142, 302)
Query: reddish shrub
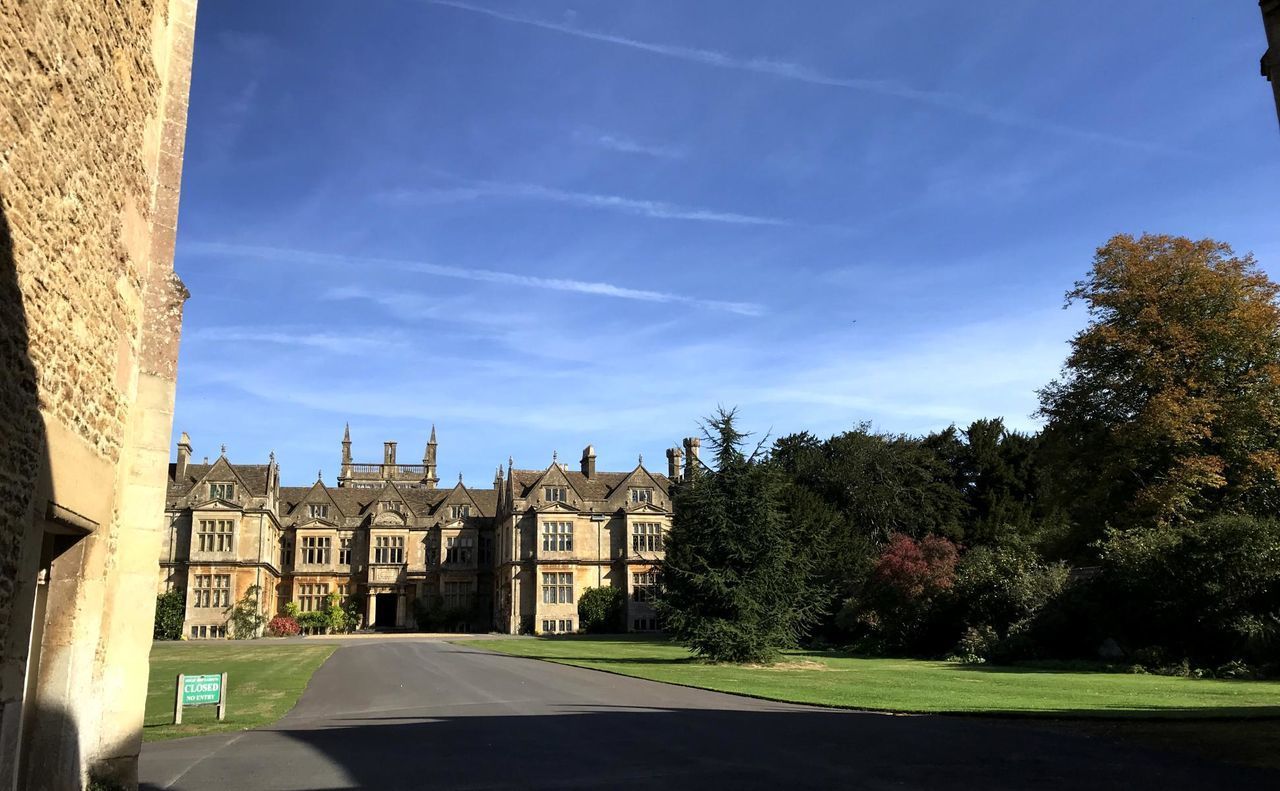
(283, 626)
(915, 568)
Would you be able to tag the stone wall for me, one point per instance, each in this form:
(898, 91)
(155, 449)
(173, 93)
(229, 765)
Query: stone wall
(1271, 58)
(92, 121)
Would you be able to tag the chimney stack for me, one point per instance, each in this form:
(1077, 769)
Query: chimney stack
(675, 463)
(389, 453)
(184, 457)
(692, 445)
(589, 461)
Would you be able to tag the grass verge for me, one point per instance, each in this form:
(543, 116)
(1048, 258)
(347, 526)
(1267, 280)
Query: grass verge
(263, 683)
(907, 685)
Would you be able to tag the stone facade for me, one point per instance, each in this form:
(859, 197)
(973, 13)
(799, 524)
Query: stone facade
(560, 531)
(388, 537)
(1271, 58)
(92, 122)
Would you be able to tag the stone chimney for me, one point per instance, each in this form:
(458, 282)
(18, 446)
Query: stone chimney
(184, 457)
(692, 445)
(389, 453)
(589, 461)
(675, 463)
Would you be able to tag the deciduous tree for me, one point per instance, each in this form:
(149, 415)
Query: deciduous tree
(1168, 407)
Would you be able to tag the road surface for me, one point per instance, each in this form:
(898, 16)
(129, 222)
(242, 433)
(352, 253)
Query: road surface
(425, 714)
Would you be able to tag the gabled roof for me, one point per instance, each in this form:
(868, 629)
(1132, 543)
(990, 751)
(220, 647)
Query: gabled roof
(390, 491)
(252, 478)
(554, 475)
(597, 488)
(639, 477)
(458, 495)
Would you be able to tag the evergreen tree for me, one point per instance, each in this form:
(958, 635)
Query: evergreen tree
(736, 585)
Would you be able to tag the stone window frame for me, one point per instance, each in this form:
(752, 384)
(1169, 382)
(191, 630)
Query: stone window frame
(222, 490)
(315, 549)
(647, 537)
(458, 550)
(388, 550)
(222, 534)
(557, 587)
(557, 535)
(346, 545)
(640, 494)
(557, 625)
(458, 594)
(211, 591)
(460, 511)
(312, 595)
(318, 510)
(555, 494)
(644, 586)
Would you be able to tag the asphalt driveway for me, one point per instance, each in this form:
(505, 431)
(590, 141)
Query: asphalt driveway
(419, 715)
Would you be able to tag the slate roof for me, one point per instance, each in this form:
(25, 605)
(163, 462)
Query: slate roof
(353, 502)
(600, 487)
(253, 475)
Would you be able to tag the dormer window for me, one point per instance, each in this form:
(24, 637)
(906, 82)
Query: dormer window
(222, 491)
(555, 494)
(318, 511)
(460, 511)
(641, 495)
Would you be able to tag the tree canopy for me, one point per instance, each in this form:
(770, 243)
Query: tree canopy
(1168, 407)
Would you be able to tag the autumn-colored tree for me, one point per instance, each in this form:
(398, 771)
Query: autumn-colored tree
(916, 568)
(1168, 407)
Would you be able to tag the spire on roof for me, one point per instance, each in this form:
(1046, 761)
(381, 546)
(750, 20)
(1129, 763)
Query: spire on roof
(271, 457)
(459, 477)
(346, 433)
(433, 434)
(511, 460)
(640, 460)
(555, 457)
(224, 449)
(319, 476)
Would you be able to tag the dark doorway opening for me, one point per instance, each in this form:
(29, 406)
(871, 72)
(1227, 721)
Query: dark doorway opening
(384, 613)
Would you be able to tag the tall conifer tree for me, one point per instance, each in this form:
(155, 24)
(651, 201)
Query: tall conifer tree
(737, 586)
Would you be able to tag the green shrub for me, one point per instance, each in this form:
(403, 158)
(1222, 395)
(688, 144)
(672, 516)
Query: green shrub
(245, 616)
(1209, 591)
(976, 646)
(314, 622)
(170, 612)
(602, 610)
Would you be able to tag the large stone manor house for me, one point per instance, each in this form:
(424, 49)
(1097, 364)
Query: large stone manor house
(514, 556)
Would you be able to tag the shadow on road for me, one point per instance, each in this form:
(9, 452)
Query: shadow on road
(590, 746)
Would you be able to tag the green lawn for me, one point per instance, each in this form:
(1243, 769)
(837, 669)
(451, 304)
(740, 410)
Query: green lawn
(906, 685)
(263, 683)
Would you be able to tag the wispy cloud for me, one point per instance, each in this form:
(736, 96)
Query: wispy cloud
(334, 343)
(625, 145)
(593, 288)
(618, 203)
(788, 70)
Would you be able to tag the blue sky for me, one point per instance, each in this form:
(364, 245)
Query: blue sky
(539, 225)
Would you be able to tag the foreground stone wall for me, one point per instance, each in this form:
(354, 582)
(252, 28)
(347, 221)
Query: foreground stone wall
(1271, 58)
(92, 122)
